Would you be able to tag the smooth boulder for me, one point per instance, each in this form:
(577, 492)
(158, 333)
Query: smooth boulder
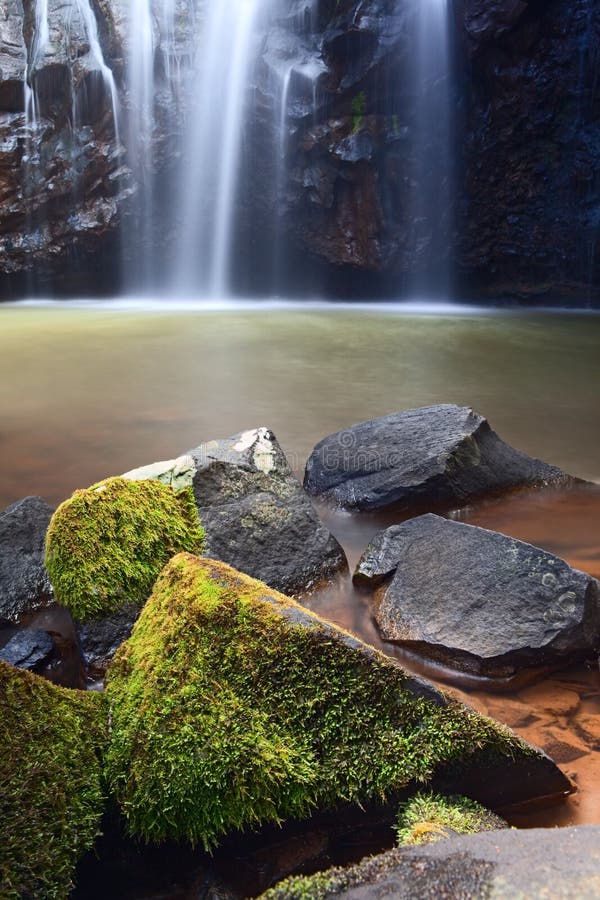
(233, 706)
(24, 582)
(435, 456)
(255, 514)
(478, 600)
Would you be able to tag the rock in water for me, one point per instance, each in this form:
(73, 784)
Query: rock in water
(233, 706)
(436, 455)
(28, 649)
(478, 600)
(255, 514)
(51, 782)
(24, 582)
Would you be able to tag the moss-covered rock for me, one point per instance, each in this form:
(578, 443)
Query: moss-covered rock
(106, 545)
(232, 706)
(51, 783)
(428, 817)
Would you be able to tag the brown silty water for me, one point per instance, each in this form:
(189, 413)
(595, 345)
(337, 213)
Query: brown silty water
(86, 393)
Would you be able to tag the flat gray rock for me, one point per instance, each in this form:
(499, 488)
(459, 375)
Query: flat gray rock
(24, 582)
(478, 600)
(556, 863)
(419, 459)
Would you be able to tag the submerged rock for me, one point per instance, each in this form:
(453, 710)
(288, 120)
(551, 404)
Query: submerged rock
(432, 456)
(503, 865)
(478, 600)
(105, 547)
(234, 706)
(24, 582)
(50, 782)
(28, 650)
(255, 514)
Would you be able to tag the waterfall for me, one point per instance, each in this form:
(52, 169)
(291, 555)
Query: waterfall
(97, 58)
(140, 130)
(41, 39)
(431, 150)
(40, 46)
(213, 146)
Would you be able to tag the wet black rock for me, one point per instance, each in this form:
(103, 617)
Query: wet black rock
(24, 582)
(100, 639)
(478, 600)
(256, 516)
(422, 458)
(28, 649)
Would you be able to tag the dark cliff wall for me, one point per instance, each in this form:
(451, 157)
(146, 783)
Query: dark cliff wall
(530, 193)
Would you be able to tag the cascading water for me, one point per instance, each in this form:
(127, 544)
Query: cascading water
(225, 53)
(431, 150)
(97, 61)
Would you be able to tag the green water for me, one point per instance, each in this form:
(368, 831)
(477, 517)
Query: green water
(89, 392)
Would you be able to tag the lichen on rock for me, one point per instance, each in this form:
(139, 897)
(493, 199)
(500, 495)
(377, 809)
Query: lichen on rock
(233, 706)
(106, 545)
(51, 782)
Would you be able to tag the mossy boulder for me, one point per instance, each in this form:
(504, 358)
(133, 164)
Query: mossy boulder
(51, 783)
(429, 817)
(234, 706)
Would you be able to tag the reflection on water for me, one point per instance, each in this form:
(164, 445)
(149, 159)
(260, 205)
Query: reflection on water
(85, 393)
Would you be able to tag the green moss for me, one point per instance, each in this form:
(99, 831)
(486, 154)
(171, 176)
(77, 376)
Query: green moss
(359, 107)
(232, 706)
(312, 887)
(427, 817)
(106, 545)
(51, 793)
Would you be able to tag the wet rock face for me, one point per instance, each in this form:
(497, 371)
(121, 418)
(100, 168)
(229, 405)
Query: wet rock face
(345, 195)
(530, 198)
(479, 601)
(419, 458)
(526, 121)
(61, 173)
(24, 582)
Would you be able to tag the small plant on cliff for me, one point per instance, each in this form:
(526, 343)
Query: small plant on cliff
(106, 545)
(51, 782)
(233, 706)
(427, 817)
(359, 107)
